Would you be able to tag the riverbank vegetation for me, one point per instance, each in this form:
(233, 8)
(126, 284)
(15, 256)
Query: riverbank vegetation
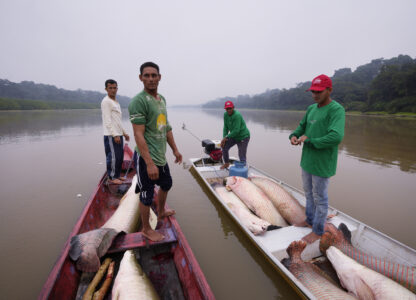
(383, 85)
(21, 104)
(28, 95)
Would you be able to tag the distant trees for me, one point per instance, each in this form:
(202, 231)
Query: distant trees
(382, 85)
(19, 104)
(43, 96)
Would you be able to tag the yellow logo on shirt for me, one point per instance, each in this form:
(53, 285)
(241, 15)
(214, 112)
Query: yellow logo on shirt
(161, 122)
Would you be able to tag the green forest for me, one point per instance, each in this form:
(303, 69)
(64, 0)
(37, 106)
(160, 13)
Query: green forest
(28, 95)
(383, 85)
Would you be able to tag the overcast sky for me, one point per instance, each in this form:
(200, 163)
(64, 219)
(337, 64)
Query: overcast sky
(205, 49)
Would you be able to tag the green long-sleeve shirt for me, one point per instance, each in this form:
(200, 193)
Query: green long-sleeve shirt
(324, 127)
(235, 127)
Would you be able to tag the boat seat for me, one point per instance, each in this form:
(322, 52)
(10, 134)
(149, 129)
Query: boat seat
(137, 240)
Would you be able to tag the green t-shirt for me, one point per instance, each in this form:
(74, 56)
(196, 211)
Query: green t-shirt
(235, 127)
(144, 109)
(324, 127)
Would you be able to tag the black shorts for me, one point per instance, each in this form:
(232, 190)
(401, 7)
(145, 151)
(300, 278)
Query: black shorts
(145, 186)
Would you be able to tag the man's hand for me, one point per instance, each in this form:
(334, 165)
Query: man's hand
(152, 171)
(302, 139)
(117, 139)
(178, 156)
(127, 137)
(223, 141)
(294, 140)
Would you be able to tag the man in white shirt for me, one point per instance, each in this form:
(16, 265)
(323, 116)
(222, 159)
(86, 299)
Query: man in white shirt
(113, 132)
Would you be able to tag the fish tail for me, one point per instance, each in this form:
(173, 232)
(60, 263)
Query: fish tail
(295, 249)
(87, 248)
(273, 227)
(339, 237)
(345, 231)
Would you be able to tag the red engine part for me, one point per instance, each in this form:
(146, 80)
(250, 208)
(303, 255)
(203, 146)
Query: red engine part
(216, 154)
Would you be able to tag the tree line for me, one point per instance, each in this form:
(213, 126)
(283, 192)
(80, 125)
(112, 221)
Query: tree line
(28, 95)
(382, 85)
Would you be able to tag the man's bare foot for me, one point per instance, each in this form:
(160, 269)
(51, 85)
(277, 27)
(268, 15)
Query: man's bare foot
(302, 224)
(225, 166)
(166, 213)
(153, 235)
(115, 181)
(311, 237)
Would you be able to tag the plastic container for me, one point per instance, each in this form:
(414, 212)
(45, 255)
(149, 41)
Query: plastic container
(239, 169)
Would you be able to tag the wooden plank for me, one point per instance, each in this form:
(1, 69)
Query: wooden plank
(137, 240)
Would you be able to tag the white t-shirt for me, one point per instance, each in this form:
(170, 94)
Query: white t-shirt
(111, 114)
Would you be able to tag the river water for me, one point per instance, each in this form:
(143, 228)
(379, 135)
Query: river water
(51, 162)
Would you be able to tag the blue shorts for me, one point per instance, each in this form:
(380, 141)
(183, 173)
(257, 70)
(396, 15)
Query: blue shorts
(145, 186)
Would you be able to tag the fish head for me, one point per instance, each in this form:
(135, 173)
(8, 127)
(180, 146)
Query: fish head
(231, 181)
(344, 267)
(350, 274)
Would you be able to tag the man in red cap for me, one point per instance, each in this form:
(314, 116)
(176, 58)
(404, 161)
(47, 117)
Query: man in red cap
(234, 132)
(321, 130)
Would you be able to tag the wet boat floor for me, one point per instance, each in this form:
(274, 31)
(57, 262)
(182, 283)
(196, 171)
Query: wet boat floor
(158, 264)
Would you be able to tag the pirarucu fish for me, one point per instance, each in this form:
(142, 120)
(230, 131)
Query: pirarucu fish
(255, 199)
(363, 282)
(131, 282)
(287, 205)
(311, 276)
(341, 239)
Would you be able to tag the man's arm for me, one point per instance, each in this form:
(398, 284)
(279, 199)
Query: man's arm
(172, 144)
(152, 170)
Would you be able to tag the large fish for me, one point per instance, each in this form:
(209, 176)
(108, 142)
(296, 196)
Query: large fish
(87, 248)
(244, 215)
(255, 199)
(341, 239)
(312, 277)
(287, 205)
(131, 282)
(363, 282)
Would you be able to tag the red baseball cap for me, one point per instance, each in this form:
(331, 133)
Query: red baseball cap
(320, 83)
(228, 104)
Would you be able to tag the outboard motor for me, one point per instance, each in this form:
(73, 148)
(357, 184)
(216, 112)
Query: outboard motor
(212, 149)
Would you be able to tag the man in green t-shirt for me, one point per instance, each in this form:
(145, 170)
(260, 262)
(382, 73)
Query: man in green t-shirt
(321, 130)
(234, 132)
(152, 131)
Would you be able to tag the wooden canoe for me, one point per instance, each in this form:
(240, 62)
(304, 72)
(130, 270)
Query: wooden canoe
(170, 264)
(273, 244)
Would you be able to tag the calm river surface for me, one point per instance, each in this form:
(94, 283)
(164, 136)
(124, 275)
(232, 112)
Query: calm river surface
(48, 158)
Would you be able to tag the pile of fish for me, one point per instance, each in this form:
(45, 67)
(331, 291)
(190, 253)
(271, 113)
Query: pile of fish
(339, 241)
(87, 248)
(311, 276)
(361, 275)
(260, 203)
